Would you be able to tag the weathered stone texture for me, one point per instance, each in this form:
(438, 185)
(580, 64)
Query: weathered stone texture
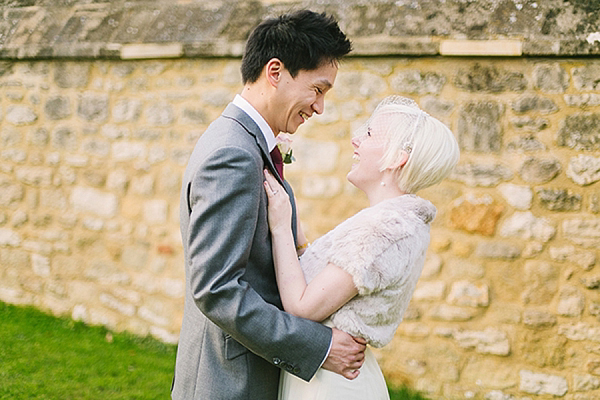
(584, 170)
(475, 215)
(550, 78)
(479, 127)
(536, 171)
(580, 132)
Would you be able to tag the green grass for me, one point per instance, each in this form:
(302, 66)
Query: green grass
(44, 357)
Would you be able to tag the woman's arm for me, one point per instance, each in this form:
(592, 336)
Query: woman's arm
(328, 291)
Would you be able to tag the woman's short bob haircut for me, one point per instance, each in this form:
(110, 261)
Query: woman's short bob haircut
(302, 40)
(431, 147)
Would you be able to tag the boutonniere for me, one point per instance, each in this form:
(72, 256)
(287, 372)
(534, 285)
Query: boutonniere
(284, 142)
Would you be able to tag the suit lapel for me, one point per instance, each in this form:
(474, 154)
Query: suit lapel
(252, 128)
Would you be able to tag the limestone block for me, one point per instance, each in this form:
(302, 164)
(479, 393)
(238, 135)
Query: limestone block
(64, 138)
(429, 291)
(538, 170)
(465, 293)
(585, 232)
(194, 116)
(437, 107)
(591, 282)
(20, 115)
(559, 200)
(461, 269)
(582, 100)
(538, 319)
(580, 331)
(530, 124)
(520, 197)
(489, 341)
(106, 273)
(164, 335)
(34, 176)
(497, 250)
(92, 224)
(593, 367)
(525, 225)
(160, 114)
(475, 214)
(416, 82)
(147, 314)
(9, 137)
(10, 193)
(486, 175)
(489, 79)
(479, 128)
(498, 47)
(155, 212)
(143, 185)
(72, 74)
(40, 265)
(539, 104)
(156, 154)
(579, 132)
(587, 78)
(550, 78)
(151, 50)
(217, 97)
(571, 302)
(585, 259)
(126, 110)
(93, 107)
(135, 256)
(103, 317)
(128, 151)
(538, 383)
(584, 383)
(174, 288)
(525, 144)
(584, 170)
(181, 156)
(90, 200)
(414, 330)
(80, 313)
(38, 137)
(10, 238)
(57, 107)
(432, 266)
(117, 305)
(117, 180)
(444, 312)
(96, 147)
(541, 282)
(364, 85)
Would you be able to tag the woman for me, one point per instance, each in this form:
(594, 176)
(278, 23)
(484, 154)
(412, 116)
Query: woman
(360, 276)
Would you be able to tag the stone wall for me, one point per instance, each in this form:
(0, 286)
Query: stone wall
(92, 152)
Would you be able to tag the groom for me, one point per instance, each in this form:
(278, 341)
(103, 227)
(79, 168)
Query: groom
(235, 337)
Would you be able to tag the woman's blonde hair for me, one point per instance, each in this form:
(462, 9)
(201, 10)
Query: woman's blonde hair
(430, 145)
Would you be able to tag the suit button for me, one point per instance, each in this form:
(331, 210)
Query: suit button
(276, 361)
(289, 367)
(296, 370)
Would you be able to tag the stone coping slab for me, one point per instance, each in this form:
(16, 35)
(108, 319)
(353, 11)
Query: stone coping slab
(70, 29)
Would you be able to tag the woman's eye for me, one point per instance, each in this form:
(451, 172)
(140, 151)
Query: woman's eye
(369, 132)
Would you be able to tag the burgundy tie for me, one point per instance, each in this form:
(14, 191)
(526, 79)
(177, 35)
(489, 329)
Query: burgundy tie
(277, 160)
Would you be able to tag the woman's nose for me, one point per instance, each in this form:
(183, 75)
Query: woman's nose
(356, 141)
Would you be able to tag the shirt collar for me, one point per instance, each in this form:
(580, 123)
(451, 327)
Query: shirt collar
(265, 129)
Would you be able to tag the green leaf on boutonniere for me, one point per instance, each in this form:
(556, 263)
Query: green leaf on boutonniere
(288, 157)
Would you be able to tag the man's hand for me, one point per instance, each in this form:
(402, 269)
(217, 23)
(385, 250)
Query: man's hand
(347, 354)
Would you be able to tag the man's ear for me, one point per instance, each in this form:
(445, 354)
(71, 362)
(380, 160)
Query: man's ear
(273, 71)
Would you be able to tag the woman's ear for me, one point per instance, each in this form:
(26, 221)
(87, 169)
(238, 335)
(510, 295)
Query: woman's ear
(401, 161)
(273, 71)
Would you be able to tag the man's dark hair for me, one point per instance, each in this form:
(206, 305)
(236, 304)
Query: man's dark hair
(302, 40)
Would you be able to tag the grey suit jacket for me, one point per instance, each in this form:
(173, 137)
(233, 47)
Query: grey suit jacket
(235, 336)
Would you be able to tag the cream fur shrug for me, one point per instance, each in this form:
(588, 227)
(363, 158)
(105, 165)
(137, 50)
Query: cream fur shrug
(383, 248)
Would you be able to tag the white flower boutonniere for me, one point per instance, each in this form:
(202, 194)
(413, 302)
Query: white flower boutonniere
(284, 142)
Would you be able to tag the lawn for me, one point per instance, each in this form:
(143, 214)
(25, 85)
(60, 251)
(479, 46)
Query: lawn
(44, 357)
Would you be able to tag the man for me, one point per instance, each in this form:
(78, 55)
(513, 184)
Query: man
(235, 336)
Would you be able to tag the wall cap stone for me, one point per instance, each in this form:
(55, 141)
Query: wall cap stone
(35, 29)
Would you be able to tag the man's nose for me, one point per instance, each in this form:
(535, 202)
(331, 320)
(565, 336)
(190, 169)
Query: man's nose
(319, 105)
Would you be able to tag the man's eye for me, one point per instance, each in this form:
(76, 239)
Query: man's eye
(319, 91)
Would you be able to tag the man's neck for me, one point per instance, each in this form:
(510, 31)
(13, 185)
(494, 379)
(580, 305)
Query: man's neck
(257, 97)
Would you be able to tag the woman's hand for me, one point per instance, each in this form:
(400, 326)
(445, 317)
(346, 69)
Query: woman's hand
(279, 209)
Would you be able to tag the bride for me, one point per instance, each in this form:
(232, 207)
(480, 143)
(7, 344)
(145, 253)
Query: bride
(360, 276)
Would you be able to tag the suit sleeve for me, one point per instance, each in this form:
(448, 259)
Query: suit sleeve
(224, 199)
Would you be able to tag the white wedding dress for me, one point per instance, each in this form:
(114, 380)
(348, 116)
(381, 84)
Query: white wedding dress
(327, 385)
